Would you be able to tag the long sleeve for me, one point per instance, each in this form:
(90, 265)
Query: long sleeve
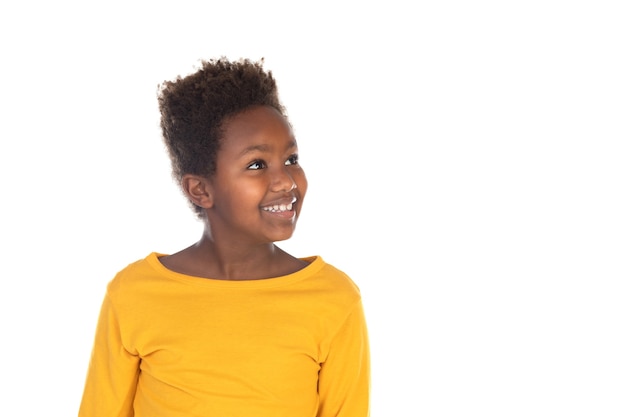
(344, 378)
(113, 371)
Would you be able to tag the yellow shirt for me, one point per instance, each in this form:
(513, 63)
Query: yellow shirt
(172, 345)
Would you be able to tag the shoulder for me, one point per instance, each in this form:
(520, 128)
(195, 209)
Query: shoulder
(135, 274)
(331, 275)
(338, 288)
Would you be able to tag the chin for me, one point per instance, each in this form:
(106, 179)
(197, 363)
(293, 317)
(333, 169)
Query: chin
(282, 238)
(279, 237)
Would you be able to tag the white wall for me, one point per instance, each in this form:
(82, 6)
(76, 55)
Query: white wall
(466, 168)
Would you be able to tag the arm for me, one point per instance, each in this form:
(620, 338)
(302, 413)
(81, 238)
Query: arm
(113, 371)
(344, 378)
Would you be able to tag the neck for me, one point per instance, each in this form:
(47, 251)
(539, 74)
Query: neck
(231, 261)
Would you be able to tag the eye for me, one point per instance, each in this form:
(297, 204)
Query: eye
(292, 160)
(258, 164)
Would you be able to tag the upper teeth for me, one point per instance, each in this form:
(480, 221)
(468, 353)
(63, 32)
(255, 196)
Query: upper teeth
(279, 207)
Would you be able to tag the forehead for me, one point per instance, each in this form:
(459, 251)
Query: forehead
(257, 126)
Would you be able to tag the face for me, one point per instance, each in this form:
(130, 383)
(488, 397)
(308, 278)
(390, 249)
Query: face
(258, 187)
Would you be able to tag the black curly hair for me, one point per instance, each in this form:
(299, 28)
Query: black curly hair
(194, 109)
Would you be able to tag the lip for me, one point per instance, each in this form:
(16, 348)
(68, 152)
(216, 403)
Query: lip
(285, 201)
(284, 207)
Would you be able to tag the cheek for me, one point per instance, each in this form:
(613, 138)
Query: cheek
(247, 192)
(302, 183)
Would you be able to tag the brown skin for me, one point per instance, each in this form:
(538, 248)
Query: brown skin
(257, 168)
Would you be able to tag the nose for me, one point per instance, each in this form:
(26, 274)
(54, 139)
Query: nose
(283, 181)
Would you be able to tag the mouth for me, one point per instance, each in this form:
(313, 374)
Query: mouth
(278, 208)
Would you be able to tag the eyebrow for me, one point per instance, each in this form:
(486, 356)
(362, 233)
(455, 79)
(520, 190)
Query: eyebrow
(265, 148)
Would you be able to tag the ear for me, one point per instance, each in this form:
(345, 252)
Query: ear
(198, 190)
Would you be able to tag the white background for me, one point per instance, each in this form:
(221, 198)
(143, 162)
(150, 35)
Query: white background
(466, 163)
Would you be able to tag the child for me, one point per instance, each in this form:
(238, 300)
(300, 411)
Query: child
(231, 325)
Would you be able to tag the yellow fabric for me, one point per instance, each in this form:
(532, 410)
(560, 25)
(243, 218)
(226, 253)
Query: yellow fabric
(171, 345)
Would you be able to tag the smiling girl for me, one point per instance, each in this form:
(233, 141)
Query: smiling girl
(231, 325)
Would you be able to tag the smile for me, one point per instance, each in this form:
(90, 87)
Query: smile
(278, 208)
